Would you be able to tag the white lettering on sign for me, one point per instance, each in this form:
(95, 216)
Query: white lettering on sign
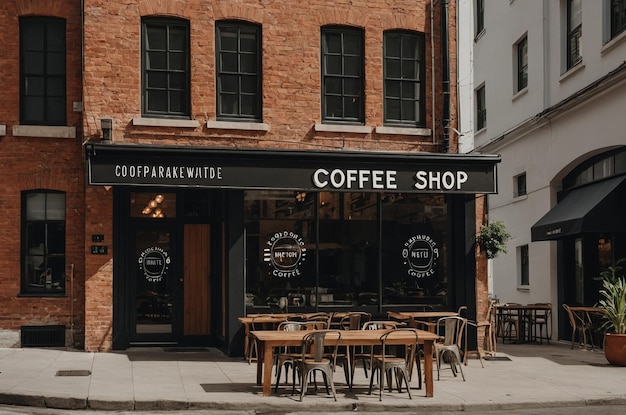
(436, 180)
(355, 179)
(168, 172)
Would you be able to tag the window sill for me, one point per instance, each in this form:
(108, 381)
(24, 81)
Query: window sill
(3, 130)
(571, 71)
(165, 122)
(611, 44)
(404, 131)
(520, 198)
(44, 131)
(336, 128)
(234, 125)
(523, 288)
(520, 93)
(479, 35)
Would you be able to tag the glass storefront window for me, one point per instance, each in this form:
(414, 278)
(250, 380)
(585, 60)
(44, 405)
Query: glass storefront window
(308, 251)
(413, 262)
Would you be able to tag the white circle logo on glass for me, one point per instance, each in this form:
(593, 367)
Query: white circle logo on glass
(420, 254)
(154, 263)
(285, 252)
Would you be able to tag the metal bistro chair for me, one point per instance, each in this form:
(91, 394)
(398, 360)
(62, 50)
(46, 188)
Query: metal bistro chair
(386, 363)
(286, 356)
(454, 331)
(314, 357)
(364, 353)
(540, 318)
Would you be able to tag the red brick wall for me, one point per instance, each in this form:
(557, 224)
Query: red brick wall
(291, 91)
(28, 163)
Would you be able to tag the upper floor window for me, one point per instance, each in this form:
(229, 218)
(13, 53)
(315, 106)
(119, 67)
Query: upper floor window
(165, 68)
(481, 109)
(238, 52)
(574, 32)
(42, 71)
(43, 242)
(480, 16)
(618, 17)
(403, 74)
(342, 75)
(520, 185)
(522, 64)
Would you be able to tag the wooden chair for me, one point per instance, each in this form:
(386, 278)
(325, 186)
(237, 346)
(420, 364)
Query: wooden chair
(386, 363)
(540, 319)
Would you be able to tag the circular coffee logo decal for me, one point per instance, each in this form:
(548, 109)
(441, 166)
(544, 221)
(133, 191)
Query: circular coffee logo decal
(154, 263)
(285, 252)
(420, 254)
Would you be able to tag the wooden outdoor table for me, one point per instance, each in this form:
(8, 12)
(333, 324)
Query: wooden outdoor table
(269, 339)
(428, 318)
(524, 312)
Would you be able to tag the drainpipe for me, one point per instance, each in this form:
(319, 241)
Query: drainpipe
(432, 68)
(445, 68)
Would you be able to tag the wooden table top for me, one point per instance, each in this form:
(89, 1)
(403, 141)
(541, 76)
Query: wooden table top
(416, 315)
(348, 337)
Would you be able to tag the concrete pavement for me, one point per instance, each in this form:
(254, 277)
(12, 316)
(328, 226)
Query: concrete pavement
(523, 376)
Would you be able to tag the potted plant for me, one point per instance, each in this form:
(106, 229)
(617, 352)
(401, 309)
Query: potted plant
(492, 239)
(613, 304)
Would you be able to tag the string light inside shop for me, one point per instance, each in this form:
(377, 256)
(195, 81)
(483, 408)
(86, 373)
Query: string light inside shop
(152, 208)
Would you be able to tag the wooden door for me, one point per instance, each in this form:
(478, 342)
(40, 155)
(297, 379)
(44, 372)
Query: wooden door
(197, 285)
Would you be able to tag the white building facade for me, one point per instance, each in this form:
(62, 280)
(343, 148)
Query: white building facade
(545, 84)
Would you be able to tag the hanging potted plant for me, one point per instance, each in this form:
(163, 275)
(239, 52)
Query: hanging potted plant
(492, 239)
(613, 303)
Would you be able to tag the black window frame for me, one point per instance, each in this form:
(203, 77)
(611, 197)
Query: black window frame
(574, 33)
(40, 245)
(43, 79)
(480, 17)
(177, 72)
(618, 17)
(522, 63)
(249, 84)
(409, 76)
(343, 79)
(481, 108)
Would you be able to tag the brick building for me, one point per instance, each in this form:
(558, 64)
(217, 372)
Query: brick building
(244, 157)
(42, 164)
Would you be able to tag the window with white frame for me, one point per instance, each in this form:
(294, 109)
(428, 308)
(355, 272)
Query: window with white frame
(618, 17)
(481, 108)
(479, 23)
(522, 63)
(42, 71)
(524, 268)
(574, 32)
(520, 185)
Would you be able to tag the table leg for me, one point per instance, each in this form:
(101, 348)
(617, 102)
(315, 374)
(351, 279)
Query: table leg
(259, 362)
(428, 367)
(268, 362)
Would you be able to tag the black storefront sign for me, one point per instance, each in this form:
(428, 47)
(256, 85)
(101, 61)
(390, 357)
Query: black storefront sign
(111, 164)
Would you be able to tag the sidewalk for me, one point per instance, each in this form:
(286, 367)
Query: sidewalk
(179, 379)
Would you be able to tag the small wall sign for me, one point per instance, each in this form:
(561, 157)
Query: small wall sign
(99, 249)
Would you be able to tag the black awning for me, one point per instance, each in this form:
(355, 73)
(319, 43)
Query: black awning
(133, 165)
(597, 207)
